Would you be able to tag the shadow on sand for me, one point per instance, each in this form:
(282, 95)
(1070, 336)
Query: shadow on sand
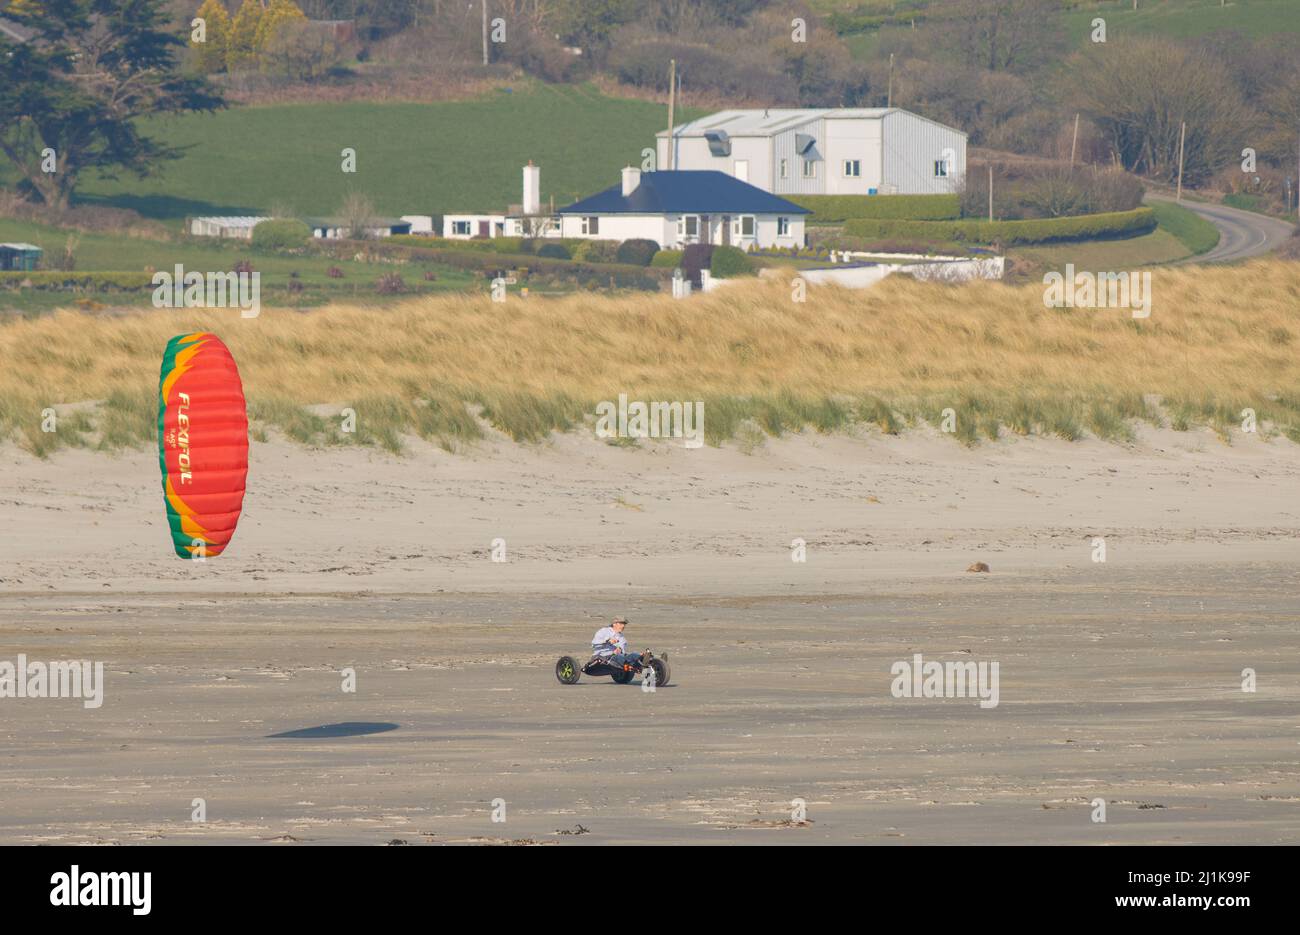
(327, 731)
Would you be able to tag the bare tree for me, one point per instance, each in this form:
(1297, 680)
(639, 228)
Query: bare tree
(1139, 91)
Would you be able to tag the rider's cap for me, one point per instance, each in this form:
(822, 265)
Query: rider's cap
(620, 620)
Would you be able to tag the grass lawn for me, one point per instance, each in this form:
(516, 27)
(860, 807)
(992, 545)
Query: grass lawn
(1193, 231)
(1159, 246)
(412, 158)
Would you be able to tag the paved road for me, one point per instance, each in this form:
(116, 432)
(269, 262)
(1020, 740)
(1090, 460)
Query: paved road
(1242, 234)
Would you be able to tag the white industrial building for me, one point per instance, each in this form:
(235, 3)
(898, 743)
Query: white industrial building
(859, 151)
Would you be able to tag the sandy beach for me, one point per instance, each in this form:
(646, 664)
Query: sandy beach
(1119, 680)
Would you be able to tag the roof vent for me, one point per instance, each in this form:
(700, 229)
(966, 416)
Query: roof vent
(803, 143)
(719, 142)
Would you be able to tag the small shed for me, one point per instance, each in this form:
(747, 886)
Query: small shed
(19, 256)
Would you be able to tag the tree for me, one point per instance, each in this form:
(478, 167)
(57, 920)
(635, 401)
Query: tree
(242, 46)
(1139, 92)
(588, 23)
(212, 50)
(278, 15)
(1002, 35)
(71, 99)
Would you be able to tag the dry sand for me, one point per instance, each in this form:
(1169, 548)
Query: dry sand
(1119, 681)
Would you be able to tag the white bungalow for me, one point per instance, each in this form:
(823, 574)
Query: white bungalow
(683, 207)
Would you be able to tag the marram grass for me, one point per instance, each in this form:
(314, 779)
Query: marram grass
(1219, 340)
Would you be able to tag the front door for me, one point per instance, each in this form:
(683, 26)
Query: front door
(706, 229)
(483, 228)
(726, 230)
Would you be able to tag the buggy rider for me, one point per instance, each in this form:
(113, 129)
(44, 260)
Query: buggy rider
(610, 645)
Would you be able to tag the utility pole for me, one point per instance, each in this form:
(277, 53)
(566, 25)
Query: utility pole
(672, 99)
(1182, 137)
(485, 42)
(1074, 142)
(890, 100)
(990, 191)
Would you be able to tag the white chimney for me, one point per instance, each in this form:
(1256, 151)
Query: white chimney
(631, 179)
(532, 189)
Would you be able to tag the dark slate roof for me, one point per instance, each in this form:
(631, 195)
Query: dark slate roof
(685, 192)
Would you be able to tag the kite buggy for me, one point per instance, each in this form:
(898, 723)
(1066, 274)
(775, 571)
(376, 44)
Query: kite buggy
(568, 671)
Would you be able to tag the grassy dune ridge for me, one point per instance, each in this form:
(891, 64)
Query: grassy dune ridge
(1218, 340)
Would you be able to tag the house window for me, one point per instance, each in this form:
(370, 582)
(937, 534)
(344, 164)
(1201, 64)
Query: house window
(688, 226)
(783, 227)
(785, 168)
(852, 168)
(590, 226)
(809, 169)
(941, 168)
(747, 225)
(461, 228)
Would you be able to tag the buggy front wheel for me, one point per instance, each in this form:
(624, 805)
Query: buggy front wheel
(660, 668)
(566, 670)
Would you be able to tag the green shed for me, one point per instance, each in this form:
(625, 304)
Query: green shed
(19, 256)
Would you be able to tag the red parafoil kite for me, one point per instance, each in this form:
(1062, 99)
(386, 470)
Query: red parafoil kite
(202, 443)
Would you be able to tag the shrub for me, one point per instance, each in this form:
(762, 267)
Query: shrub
(696, 257)
(602, 251)
(555, 251)
(667, 259)
(1110, 225)
(334, 273)
(730, 261)
(390, 284)
(66, 279)
(510, 245)
(281, 234)
(244, 266)
(836, 208)
(636, 252)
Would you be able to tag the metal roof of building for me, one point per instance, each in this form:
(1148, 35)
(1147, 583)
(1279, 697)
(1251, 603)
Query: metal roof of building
(232, 220)
(771, 121)
(685, 192)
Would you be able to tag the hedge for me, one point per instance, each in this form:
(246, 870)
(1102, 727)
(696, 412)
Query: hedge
(555, 251)
(112, 280)
(623, 276)
(281, 234)
(831, 209)
(727, 262)
(1109, 225)
(667, 259)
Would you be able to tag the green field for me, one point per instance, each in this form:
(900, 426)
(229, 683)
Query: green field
(411, 158)
(1182, 19)
(1187, 19)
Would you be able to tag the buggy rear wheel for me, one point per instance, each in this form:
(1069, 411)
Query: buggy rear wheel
(566, 670)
